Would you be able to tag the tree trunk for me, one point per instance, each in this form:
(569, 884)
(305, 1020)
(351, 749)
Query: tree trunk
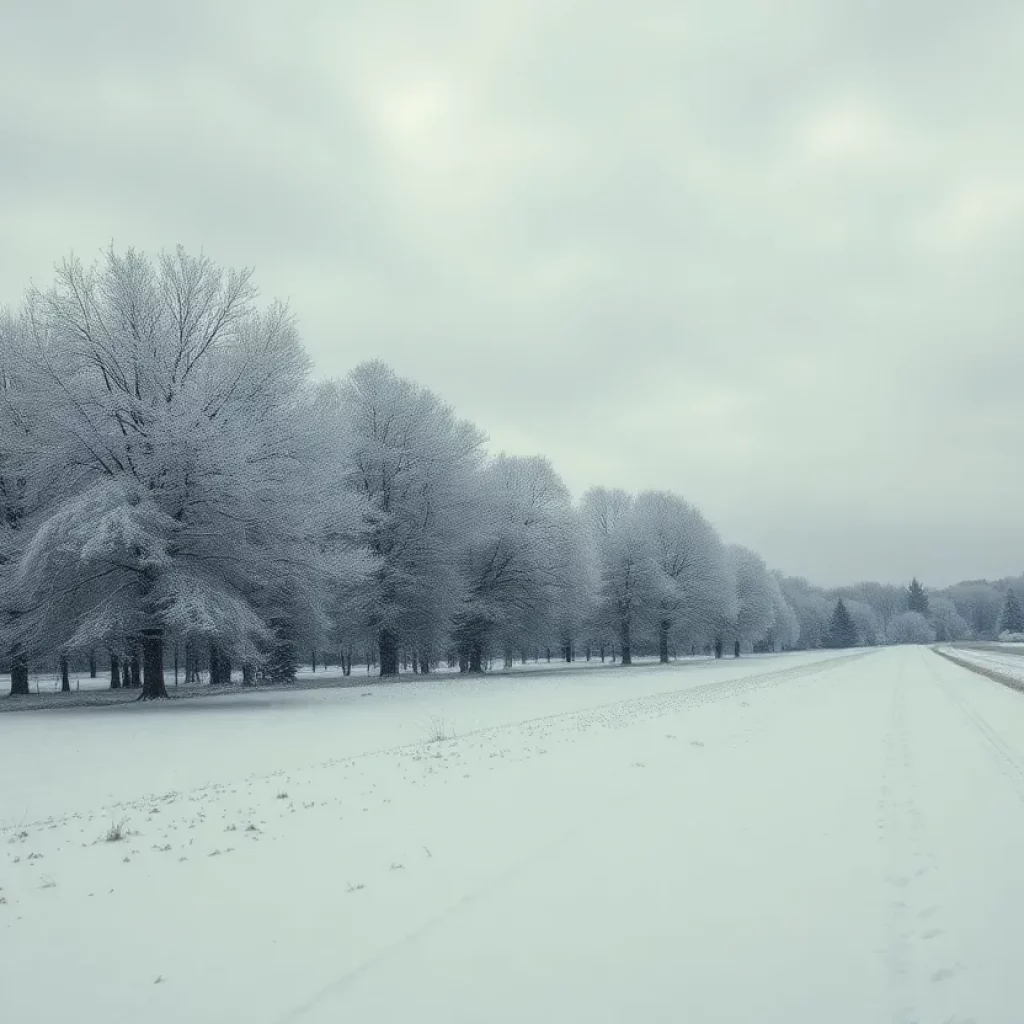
(425, 664)
(602, 652)
(718, 648)
(65, 680)
(115, 672)
(248, 674)
(663, 628)
(548, 652)
(136, 676)
(175, 662)
(736, 650)
(19, 675)
(92, 664)
(153, 665)
(312, 660)
(624, 643)
(220, 667)
(388, 644)
(348, 663)
(476, 658)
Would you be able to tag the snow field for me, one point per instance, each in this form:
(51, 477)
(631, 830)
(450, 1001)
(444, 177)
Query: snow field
(1007, 663)
(804, 838)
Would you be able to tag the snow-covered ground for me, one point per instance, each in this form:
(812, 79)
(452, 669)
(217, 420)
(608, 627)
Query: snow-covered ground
(83, 687)
(803, 838)
(1005, 659)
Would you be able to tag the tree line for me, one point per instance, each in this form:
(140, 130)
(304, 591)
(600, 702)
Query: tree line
(175, 484)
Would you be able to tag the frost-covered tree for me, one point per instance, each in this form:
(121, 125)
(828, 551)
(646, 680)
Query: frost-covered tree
(842, 631)
(415, 464)
(867, 622)
(784, 633)
(694, 590)
(755, 605)
(811, 608)
(511, 567)
(576, 587)
(15, 471)
(631, 584)
(1011, 619)
(166, 424)
(979, 603)
(884, 599)
(917, 599)
(945, 620)
(910, 628)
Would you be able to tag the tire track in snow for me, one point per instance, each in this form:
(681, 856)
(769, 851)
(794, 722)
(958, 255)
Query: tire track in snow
(921, 951)
(896, 801)
(914, 945)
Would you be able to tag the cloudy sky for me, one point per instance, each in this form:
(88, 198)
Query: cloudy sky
(766, 254)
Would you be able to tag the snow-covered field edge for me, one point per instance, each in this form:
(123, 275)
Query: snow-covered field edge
(96, 693)
(986, 665)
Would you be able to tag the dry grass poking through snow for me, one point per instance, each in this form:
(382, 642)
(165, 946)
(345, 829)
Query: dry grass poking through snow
(438, 730)
(117, 832)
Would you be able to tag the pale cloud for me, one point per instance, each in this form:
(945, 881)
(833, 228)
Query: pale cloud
(766, 255)
(976, 215)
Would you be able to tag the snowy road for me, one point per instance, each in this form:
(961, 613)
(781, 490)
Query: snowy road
(800, 839)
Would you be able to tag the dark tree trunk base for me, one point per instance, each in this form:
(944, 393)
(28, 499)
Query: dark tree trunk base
(153, 687)
(19, 677)
(388, 644)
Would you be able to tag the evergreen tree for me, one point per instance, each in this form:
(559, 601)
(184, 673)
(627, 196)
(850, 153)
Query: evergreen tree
(1012, 619)
(842, 631)
(917, 599)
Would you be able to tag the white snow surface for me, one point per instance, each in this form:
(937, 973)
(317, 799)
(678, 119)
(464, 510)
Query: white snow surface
(805, 838)
(1008, 662)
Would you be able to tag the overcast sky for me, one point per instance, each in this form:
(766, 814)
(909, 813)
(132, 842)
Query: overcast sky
(769, 255)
